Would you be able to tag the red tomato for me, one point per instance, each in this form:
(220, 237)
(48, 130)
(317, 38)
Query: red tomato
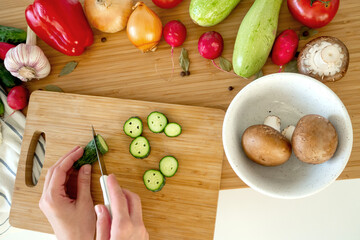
(313, 13)
(167, 3)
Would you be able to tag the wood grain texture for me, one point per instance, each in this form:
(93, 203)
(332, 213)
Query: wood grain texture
(184, 209)
(116, 68)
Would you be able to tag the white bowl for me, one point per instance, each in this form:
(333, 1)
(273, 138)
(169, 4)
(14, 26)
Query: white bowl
(289, 96)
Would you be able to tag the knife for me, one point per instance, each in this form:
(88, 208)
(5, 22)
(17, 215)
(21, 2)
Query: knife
(104, 176)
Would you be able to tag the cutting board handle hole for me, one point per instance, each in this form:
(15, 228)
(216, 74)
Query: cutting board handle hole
(35, 158)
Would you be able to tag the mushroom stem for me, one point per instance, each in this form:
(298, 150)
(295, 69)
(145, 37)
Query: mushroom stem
(273, 121)
(288, 132)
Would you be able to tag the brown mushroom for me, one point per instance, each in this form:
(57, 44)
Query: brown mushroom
(324, 58)
(265, 145)
(314, 140)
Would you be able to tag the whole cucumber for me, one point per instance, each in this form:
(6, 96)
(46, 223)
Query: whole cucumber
(256, 37)
(207, 13)
(6, 78)
(12, 35)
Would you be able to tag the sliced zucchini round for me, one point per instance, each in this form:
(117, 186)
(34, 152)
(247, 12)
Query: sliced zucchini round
(157, 122)
(101, 144)
(140, 147)
(153, 180)
(133, 127)
(172, 130)
(168, 166)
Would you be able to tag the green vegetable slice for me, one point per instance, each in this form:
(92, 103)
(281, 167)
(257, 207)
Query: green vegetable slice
(172, 130)
(140, 147)
(153, 180)
(157, 122)
(133, 127)
(168, 166)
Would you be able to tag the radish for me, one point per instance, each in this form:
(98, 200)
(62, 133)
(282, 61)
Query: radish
(210, 46)
(175, 35)
(18, 98)
(285, 47)
(166, 3)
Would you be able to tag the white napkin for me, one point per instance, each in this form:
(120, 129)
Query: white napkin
(12, 132)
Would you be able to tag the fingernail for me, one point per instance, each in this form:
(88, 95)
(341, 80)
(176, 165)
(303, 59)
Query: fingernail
(98, 210)
(87, 169)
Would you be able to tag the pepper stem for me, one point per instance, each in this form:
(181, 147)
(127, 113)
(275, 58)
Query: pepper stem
(27, 72)
(31, 37)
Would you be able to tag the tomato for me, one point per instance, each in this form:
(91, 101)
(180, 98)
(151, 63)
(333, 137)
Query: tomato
(166, 3)
(313, 13)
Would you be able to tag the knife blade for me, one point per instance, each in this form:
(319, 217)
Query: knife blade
(104, 176)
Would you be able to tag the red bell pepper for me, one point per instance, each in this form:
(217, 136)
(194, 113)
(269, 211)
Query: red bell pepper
(4, 48)
(61, 24)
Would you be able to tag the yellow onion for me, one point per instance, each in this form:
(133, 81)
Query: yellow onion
(108, 15)
(144, 28)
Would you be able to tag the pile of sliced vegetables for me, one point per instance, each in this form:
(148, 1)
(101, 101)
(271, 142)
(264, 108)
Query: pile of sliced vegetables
(157, 122)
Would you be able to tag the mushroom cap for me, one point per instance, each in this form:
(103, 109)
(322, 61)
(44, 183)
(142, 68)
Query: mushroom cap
(314, 140)
(303, 67)
(265, 145)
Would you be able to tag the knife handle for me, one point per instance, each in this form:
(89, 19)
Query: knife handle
(106, 195)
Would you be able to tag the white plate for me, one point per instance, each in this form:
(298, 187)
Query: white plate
(289, 96)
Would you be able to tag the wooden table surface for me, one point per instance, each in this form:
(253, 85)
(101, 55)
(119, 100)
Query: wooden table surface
(115, 68)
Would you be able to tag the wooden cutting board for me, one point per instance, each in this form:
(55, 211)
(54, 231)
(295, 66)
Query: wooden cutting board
(184, 209)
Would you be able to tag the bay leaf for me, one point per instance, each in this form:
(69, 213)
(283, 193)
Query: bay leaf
(68, 68)
(306, 32)
(291, 66)
(184, 60)
(259, 74)
(225, 64)
(53, 88)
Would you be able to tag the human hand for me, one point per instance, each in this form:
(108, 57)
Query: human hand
(70, 218)
(127, 222)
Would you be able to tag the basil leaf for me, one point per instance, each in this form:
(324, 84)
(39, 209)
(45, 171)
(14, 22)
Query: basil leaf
(306, 32)
(53, 88)
(69, 67)
(259, 74)
(184, 60)
(225, 64)
(291, 66)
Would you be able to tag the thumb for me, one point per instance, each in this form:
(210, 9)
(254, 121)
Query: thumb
(84, 179)
(103, 223)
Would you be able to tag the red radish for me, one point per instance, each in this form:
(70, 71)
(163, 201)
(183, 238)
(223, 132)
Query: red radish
(285, 47)
(166, 3)
(175, 35)
(210, 46)
(18, 98)
(4, 48)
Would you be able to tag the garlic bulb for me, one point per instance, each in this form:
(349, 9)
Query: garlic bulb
(27, 61)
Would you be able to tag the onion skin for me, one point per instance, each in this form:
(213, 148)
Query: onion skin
(144, 28)
(108, 16)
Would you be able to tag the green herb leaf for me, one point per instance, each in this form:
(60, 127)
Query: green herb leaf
(259, 74)
(225, 64)
(53, 88)
(184, 60)
(291, 66)
(69, 67)
(306, 32)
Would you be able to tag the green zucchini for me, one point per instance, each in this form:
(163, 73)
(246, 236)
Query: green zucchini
(256, 37)
(89, 156)
(6, 78)
(207, 13)
(168, 166)
(2, 109)
(133, 127)
(12, 35)
(153, 180)
(140, 147)
(157, 122)
(172, 130)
